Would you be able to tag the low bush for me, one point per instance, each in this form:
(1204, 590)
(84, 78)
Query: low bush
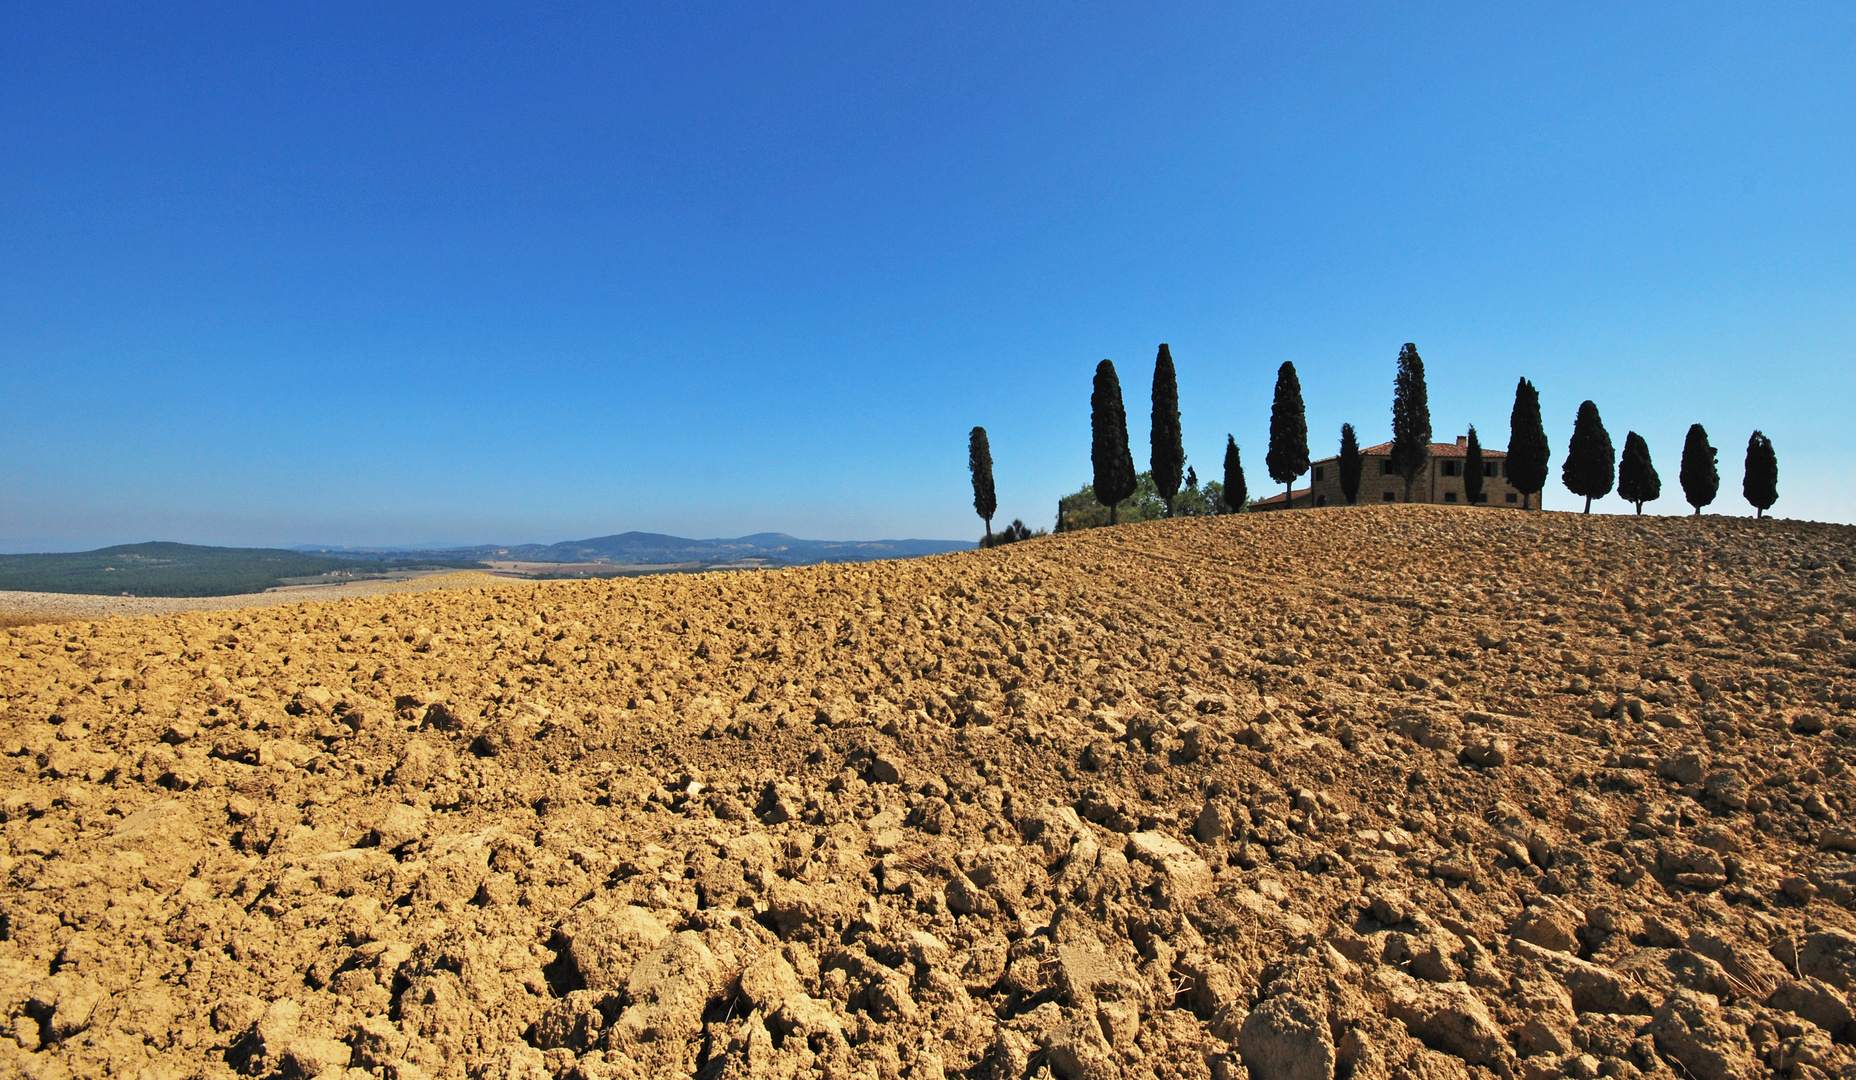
(1011, 534)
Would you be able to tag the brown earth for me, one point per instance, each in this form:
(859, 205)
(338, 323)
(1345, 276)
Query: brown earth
(1377, 792)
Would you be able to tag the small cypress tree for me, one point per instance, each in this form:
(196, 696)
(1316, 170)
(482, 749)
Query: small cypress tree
(1637, 479)
(1528, 450)
(979, 463)
(1108, 423)
(1411, 418)
(1472, 469)
(1236, 495)
(1590, 464)
(1169, 451)
(1350, 464)
(1761, 485)
(1700, 475)
(1288, 453)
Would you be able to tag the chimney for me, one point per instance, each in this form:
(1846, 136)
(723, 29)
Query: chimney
(1462, 440)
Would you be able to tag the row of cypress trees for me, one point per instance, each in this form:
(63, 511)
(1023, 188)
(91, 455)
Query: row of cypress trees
(1411, 432)
(1588, 470)
(1113, 461)
(1288, 456)
(1588, 467)
(1109, 453)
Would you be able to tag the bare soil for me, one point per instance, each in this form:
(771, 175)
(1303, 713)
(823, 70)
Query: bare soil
(1374, 792)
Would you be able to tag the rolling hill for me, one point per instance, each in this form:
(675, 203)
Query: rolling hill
(170, 569)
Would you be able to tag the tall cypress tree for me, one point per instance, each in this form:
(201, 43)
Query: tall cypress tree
(979, 463)
(1288, 454)
(1528, 450)
(1637, 479)
(1590, 466)
(1761, 485)
(1108, 423)
(1236, 494)
(1472, 469)
(1411, 418)
(1169, 452)
(1350, 464)
(1700, 475)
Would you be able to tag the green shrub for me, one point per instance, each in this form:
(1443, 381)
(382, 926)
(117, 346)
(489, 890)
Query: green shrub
(1080, 510)
(1012, 533)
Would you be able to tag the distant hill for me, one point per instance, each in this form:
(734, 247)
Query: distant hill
(168, 569)
(772, 549)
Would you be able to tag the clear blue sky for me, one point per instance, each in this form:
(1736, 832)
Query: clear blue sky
(375, 274)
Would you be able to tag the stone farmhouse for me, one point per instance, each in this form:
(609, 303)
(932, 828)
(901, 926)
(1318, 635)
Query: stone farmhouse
(1440, 481)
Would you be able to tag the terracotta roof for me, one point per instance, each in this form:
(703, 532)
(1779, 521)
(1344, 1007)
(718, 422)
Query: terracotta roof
(1438, 450)
(1276, 498)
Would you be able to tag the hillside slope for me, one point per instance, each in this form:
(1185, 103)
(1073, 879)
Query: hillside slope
(1369, 792)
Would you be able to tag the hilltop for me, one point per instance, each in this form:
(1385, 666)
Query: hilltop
(1368, 792)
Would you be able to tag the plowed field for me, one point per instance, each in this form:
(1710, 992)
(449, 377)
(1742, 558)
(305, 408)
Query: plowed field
(1366, 793)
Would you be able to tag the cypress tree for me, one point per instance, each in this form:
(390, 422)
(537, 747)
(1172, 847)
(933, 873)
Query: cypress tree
(1411, 418)
(1235, 493)
(1528, 450)
(1637, 479)
(1590, 464)
(1350, 464)
(979, 463)
(1108, 423)
(1169, 452)
(1700, 476)
(1472, 469)
(1761, 486)
(1288, 454)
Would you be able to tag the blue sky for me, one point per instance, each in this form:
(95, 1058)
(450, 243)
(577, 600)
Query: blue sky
(461, 273)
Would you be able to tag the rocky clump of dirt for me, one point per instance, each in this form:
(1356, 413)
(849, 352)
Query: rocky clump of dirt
(1377, 792)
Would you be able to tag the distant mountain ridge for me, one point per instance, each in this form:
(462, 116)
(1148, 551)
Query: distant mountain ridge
(170, 569)
(649, 549)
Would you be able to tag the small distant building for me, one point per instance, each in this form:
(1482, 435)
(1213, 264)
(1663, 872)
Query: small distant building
(1440, 481)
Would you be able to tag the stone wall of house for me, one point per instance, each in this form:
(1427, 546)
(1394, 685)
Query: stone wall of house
(1440, 481)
